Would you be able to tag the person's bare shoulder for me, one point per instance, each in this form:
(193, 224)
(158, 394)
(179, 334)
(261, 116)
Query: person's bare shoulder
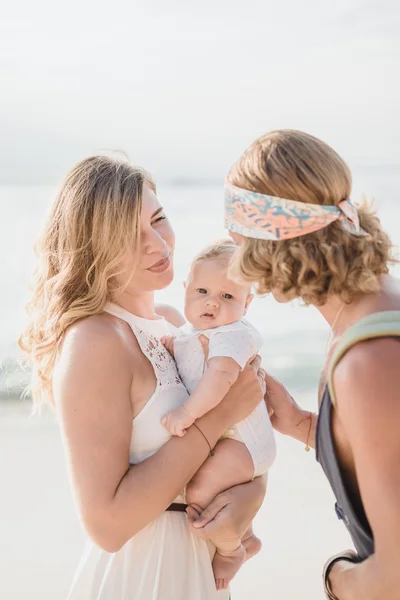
(367, 360)
(366, 383)
(171, 314)
(97, 333)
(92, 349)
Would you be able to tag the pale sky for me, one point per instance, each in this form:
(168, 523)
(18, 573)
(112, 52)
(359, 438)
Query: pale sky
(184, 87)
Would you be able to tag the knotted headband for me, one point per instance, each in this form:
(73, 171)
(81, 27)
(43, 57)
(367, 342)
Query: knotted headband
(265, 217)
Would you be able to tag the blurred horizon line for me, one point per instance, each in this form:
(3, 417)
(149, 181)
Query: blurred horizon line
(178, 181)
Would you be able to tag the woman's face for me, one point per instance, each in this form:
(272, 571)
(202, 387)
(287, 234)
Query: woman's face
(150, 266)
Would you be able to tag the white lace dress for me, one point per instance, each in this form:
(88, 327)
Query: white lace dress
(163, 561)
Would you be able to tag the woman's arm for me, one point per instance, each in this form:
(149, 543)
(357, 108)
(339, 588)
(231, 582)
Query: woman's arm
(92, 385)
(367, 384)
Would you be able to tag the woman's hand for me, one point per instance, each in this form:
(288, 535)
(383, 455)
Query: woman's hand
(245, 395)
(284, 413)
(230, 513)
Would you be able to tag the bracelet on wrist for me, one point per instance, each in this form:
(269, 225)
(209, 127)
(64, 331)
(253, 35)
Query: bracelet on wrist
(309, 416)
(348, 555)
(205, 437)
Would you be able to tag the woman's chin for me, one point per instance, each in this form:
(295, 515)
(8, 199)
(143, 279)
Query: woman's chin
(163, 280)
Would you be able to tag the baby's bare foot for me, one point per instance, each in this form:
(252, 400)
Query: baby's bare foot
(226, 565)
(252, 545)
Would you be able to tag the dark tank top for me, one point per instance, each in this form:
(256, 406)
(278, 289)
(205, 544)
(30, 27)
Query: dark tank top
(354, 518)
(384, 324)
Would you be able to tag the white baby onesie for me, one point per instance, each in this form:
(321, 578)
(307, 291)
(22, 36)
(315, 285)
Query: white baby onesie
(240, 341)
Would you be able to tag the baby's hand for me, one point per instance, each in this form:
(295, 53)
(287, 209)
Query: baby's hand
(177, 421)
(168, 342)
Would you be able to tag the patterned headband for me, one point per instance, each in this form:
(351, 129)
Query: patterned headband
(264, 217)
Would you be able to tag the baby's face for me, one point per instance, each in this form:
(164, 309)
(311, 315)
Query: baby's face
(211, 299)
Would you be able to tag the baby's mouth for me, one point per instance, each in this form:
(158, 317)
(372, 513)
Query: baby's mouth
(208, 315)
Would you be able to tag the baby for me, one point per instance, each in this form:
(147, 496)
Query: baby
(214, 307)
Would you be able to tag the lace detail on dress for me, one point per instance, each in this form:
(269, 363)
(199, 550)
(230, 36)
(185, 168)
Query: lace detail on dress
(163, 363)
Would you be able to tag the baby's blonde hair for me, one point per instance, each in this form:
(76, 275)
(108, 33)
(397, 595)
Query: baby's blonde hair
(93, 223)
(223, 250)
(297, 166)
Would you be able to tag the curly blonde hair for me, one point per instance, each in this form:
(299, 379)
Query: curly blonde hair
(297, 166)
(93, 223)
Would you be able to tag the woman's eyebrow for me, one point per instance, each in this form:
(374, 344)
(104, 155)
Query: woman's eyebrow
(157, 211)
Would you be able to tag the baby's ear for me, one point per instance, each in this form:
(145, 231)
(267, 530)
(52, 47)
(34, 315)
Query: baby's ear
(248, 302)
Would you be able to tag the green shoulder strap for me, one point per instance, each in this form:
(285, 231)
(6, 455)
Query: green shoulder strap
(380, 324)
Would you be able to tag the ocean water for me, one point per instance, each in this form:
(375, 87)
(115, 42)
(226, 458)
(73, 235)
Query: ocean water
(295, 336)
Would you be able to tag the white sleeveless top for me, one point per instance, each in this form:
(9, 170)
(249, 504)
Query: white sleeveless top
(163, 561)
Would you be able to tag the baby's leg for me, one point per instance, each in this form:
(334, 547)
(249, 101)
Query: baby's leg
(231, 465)
(251, 543)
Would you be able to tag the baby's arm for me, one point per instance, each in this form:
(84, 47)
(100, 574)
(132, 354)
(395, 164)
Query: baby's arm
(216, 382)
(220, 375)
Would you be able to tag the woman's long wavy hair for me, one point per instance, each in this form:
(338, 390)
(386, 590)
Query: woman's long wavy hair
(294, 165)
(93, 223)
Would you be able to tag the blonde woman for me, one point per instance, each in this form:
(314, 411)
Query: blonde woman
(288, 204)
(94, 345)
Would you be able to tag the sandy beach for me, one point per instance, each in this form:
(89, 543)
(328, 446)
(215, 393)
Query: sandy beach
(41, 538)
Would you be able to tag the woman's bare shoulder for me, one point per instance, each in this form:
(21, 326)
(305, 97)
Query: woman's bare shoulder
(369, 371)
(98, 345)
(171, 314)
(368, 355)
(97, 333)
